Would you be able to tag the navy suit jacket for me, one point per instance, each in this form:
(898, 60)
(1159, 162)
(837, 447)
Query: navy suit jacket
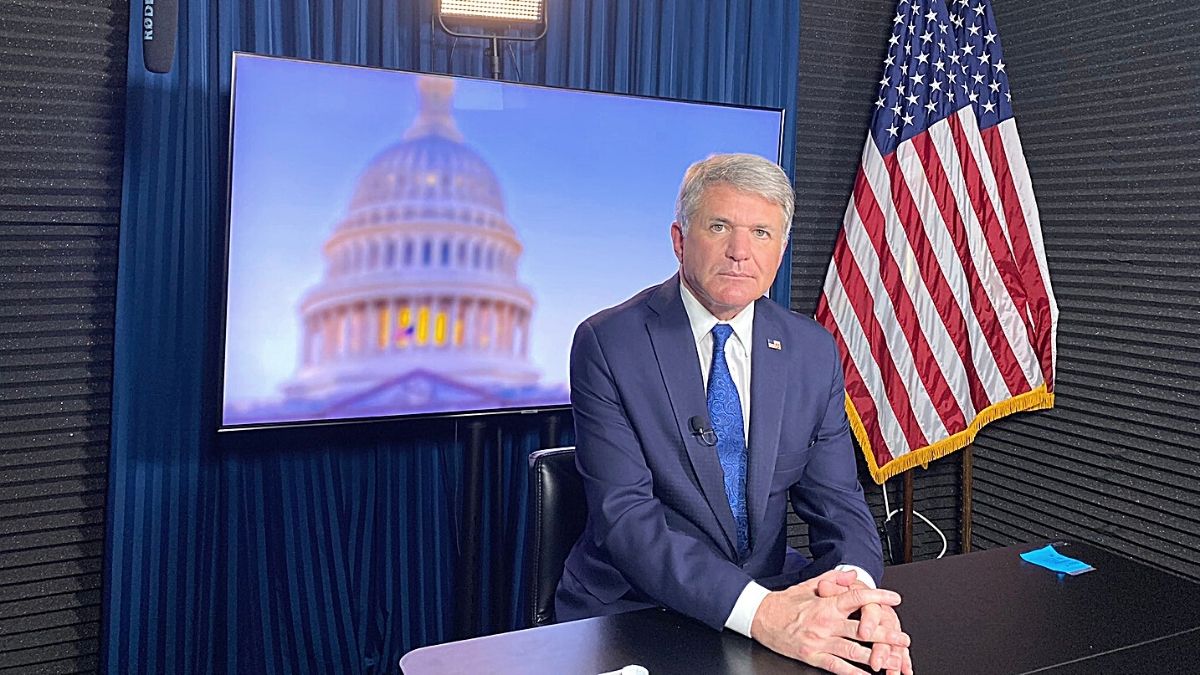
(659, 528)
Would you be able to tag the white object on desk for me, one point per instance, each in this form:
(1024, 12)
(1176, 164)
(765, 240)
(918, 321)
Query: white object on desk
(629, 670)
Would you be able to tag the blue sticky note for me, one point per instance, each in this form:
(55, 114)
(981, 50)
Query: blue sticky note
(1053, 560)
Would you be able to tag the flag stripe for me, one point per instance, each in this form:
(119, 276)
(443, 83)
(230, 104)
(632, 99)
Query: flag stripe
(1024, 187)
(856, 385)
(955, 257)
(864, 307)
(860, 369)
(871, 253)
(1037, 301)
(977, 268)
(1001, 276)
(931, 371)
(943, 272)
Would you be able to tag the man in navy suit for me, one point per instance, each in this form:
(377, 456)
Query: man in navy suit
(701, 409)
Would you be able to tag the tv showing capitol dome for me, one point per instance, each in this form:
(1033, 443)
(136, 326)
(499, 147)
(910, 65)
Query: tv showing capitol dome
(403, 244)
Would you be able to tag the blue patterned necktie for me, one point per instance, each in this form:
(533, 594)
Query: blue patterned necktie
(725, 412)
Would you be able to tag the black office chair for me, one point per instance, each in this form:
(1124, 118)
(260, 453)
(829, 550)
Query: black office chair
(557, 514)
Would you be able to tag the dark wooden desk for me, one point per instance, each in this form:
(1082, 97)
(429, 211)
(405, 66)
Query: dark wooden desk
(999, 614)
(1175, 654)
(982, 613)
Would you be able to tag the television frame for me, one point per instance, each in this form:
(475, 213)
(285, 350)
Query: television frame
(224, 427)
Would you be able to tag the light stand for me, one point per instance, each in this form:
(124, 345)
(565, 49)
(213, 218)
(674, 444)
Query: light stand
(481, 19)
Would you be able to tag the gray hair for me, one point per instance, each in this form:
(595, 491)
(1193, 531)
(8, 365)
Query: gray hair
(746, 173)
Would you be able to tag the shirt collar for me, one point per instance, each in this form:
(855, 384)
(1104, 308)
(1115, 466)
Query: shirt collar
(702, 320)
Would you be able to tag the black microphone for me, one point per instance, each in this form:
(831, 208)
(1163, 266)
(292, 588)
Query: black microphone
(701, 430)
(159, 25)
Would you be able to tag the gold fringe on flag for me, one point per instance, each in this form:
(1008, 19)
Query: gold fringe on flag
(1038, 399)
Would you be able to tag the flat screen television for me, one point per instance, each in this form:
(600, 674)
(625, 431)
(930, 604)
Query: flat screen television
(403, 244)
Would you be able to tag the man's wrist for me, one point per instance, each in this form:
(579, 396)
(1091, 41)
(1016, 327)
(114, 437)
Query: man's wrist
(741, 617)
(862, 574)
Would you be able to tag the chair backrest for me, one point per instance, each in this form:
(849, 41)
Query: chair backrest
(557, 513)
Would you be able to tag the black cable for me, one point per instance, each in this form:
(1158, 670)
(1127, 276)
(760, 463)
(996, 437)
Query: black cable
(450, 69)
(516, 63)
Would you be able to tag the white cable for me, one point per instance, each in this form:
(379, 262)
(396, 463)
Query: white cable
(890, 513)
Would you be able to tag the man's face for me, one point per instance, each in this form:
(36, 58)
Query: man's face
(732, 249)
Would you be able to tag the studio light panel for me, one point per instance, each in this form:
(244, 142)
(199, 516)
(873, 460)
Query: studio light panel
(504, 10)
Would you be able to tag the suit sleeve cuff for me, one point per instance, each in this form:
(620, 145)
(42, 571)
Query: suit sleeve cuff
(742, 615)
(863, 575)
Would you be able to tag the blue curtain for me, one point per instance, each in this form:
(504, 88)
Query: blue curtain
(333, 551)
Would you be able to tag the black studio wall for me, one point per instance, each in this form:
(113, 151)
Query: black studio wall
(62, 101)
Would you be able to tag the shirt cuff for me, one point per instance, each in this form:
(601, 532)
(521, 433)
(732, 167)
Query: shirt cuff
(742, 615)
(863, 576)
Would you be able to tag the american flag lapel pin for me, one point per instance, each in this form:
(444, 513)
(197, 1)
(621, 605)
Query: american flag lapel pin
(774, 344)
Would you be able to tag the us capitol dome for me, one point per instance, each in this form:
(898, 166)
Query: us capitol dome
(419, 305)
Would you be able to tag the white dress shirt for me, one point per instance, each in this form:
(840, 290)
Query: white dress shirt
(737, 355)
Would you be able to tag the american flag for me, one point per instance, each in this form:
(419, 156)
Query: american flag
(938, 292)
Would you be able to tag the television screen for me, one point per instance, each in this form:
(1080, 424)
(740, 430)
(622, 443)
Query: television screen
(407, 244)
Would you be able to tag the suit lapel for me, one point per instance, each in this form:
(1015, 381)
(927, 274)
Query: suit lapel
(768, 380)
(675, 349)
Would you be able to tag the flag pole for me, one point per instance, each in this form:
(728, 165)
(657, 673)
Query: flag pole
(908, 514)
(964, 542)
